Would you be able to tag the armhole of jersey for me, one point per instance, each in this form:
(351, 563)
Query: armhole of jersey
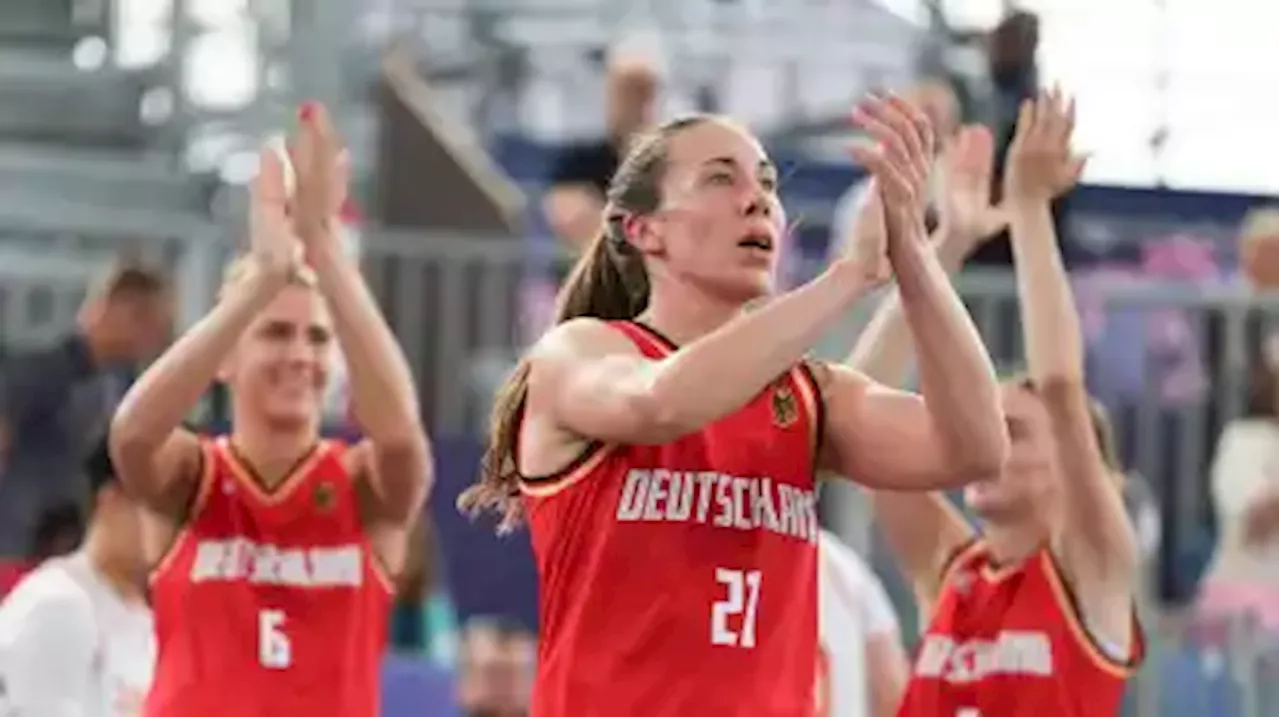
(1077, 624)
(363, 491)
(195, 505)
(811, 396)
(595, 451)
(959, 555)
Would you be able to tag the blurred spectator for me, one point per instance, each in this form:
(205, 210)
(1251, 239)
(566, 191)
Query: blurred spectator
(495, 669)
(55, 401)
(57, 532)
(76, 636)
(938, 102)
(1245, 483)
(581, 174)
(1014, 77)
(864, 669)
(1260, 248)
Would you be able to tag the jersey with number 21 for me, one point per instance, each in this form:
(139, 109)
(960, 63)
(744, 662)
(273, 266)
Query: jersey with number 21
(681, 579)
(270, 602)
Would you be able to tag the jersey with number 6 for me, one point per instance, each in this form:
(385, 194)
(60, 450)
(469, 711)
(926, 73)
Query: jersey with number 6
(681, 579)
(270, 602)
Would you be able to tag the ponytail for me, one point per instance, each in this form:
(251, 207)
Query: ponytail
(608, 283)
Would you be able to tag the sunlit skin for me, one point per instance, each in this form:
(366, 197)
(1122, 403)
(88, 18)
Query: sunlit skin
(280, 366)
(720, 226)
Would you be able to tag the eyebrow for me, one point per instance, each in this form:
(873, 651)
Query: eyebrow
(762, 164)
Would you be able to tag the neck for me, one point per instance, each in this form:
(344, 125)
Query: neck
(1011, 542)
(117, 572)
(271, 450)
(684, 314)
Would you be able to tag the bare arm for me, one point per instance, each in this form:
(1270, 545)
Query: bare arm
(157, 460)
(383, 391)
(592, 381)
(398, 459)
(923, 529)
(1097, 543)
(954, 433)
(887, 673)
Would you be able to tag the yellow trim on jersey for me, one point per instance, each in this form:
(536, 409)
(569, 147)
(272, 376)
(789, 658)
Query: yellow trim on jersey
(1083, 638)
(545, 487)
(286, 487)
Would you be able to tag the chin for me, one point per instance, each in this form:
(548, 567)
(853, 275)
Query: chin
(292, 417)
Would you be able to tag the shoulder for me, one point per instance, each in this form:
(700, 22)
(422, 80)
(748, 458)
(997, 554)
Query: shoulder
(581, 337)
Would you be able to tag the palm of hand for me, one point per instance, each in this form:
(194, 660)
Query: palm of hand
(968, 163)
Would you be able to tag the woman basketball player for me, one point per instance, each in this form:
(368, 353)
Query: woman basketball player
(1035, 615)
(662, 441)
(273, 593)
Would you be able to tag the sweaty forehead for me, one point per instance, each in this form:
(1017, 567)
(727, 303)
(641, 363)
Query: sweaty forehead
(713, 139)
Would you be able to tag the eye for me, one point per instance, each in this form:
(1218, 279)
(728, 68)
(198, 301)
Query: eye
(720, 178)
(769, 182)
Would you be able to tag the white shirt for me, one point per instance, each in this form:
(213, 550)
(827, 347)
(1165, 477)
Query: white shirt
(70, 646)
(1244, 467)
(852, 606)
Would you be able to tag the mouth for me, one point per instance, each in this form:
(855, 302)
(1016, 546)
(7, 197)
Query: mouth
(757, 242)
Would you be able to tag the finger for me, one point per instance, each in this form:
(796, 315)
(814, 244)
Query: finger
(893, 183)
(923, 129)
(895, 129)
(900, 115)
(1022, 130)
(268, 187)
(890, 142)
(983, 149)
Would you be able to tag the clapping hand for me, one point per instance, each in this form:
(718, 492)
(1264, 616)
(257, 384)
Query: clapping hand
(323, 169)
(1041, 165)
(967, 212)
(899, 159)
(272, 242)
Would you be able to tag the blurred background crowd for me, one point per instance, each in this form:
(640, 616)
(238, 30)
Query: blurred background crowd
(483, 133)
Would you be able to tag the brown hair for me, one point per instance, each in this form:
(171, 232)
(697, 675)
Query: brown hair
(608, 282)
(132, 278)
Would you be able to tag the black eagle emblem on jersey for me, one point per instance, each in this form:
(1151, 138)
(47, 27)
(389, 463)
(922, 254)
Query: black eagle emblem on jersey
(785, 408)
(324, 496)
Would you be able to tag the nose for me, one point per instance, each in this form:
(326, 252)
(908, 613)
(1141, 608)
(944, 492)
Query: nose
(757, 203)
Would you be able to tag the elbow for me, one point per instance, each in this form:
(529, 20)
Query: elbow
(128, 441)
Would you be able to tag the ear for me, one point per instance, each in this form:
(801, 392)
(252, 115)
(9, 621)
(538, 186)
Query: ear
(644, 232)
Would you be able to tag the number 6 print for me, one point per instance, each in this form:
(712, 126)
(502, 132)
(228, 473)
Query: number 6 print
(742, 596)
(274, 650)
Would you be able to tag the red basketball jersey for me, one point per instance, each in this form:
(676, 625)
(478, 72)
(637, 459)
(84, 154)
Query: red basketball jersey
(1010, 642)
(270, 602)
(681, 579)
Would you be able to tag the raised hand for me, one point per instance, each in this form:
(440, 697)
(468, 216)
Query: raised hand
(899, 159)
(272, 241)
(323, 170)
(967, 212)
(1041, 164)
